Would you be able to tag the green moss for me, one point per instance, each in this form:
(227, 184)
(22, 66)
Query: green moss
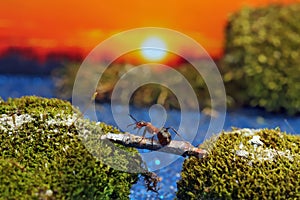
(43, 155)
(145, 95)
(262, 60)
(242, 165)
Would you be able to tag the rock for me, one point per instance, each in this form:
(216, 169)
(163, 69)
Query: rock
(262, 165)
(43, 155)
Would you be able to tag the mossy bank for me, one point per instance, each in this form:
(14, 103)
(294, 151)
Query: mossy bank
(43, 157)
(245, 164)
(261, 60)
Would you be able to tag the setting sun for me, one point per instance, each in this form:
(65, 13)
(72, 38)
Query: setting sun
(154, 49)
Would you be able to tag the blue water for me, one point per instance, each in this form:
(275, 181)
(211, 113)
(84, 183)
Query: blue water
(242, 118)
(17, 86)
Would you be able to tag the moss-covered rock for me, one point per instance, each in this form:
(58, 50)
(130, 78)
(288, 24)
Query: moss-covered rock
(245, 164)
(262, 59)
(42, 155)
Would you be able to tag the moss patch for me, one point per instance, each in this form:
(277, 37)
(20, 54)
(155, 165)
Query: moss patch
(262, 59)
(42, 155)
(245, 164)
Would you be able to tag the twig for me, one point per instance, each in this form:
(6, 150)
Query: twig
(182, 148)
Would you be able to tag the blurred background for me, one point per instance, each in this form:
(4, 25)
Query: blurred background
(255, 44)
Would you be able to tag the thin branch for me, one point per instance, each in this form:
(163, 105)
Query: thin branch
(182, 148)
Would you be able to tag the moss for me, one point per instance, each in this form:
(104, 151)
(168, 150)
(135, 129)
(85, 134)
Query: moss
(145, 95)
(245, 164)
(43, 155)
(261, 62)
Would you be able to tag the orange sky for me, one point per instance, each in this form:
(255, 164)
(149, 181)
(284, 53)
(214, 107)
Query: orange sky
(50, 24)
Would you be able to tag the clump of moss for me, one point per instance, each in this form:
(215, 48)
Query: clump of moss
(262, 61)
(245, 164)
(43, 156)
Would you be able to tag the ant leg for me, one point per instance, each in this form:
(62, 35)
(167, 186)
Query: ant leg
(144, 133)
(173, 129)
(131, 125)
(152, 138)
(138, 131)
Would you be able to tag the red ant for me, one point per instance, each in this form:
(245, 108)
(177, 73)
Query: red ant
(163, 134)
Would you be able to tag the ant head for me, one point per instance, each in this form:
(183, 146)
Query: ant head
(141, 124)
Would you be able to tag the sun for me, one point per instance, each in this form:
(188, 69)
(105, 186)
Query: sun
(154, 49)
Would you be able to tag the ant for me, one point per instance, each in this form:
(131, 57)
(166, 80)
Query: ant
(163, 134)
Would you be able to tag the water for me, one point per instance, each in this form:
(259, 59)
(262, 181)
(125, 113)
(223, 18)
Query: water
(242, 118)
(17, 86)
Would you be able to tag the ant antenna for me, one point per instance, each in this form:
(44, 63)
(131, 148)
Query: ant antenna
(173, 129)
(132, 118)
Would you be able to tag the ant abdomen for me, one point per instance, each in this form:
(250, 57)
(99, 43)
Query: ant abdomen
(164, 137)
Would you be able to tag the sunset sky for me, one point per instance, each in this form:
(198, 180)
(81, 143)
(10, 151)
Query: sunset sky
(61, 25)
